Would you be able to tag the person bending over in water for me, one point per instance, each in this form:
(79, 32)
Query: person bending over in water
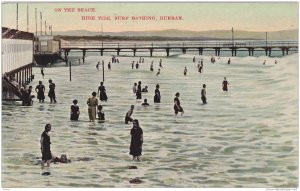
(177, 107)
(63, 159)
(145, 89)
(128, 115)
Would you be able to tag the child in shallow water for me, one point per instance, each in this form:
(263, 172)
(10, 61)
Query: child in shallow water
(101, 115)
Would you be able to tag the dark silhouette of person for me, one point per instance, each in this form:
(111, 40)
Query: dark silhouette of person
(128, 115)
(145, 103)
(136, 141)
(145, 89)
(101, 115)
(157, 94)
(225, 84)
(177, 107)
(45, 146)
(139, 91)
(185, 71)
(203, 94)
(109, 66)
(74, 111)
(40, 89)
(26, 96)
(102, 90)
(42, 72)
(51, 92)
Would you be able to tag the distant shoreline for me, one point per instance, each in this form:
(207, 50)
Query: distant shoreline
(140, 38)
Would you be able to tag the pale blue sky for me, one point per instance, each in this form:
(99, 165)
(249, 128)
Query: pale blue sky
(197, 16)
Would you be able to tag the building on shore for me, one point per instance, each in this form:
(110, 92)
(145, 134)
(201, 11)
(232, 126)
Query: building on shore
(17, 61)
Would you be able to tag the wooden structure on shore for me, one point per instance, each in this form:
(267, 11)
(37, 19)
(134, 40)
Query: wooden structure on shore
(17, 56)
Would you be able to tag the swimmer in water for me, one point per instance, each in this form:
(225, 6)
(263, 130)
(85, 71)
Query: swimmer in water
(177, 107)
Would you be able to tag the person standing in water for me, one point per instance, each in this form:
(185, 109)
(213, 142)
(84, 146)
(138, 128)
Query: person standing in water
(102, 90)
(139, 91)
(203, 94)
(177, 107)
(128, 115)
(109, 66)
(194, 59)
(40, 89)
(134, 88)
(228, 62)
(200, 69)
(45, 146)
(136, 141)
(132, 65)
(225, 85)
(97, 66)
(160, 63)
(92, 102)
(42, 72)
(157, 94)
(151, 66)
(185, 71)
(74, 111)
(51, 93)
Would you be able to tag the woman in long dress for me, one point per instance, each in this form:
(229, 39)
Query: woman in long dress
(92, 102)
(157, 94)
(136, 141)
(102, 90)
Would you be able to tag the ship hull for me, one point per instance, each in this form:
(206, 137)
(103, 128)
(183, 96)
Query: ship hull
(46, 59)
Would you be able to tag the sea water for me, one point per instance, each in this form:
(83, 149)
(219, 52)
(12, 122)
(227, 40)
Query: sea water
(246, 137)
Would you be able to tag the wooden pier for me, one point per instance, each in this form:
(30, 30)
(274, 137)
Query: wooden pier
(216, 46)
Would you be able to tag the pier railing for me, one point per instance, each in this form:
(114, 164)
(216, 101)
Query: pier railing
(176, 44)
(217, 46)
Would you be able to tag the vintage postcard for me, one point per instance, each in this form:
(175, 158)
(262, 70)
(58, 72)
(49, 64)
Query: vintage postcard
(150, 94)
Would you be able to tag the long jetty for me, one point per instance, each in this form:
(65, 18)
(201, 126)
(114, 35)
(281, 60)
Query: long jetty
(216, 46)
